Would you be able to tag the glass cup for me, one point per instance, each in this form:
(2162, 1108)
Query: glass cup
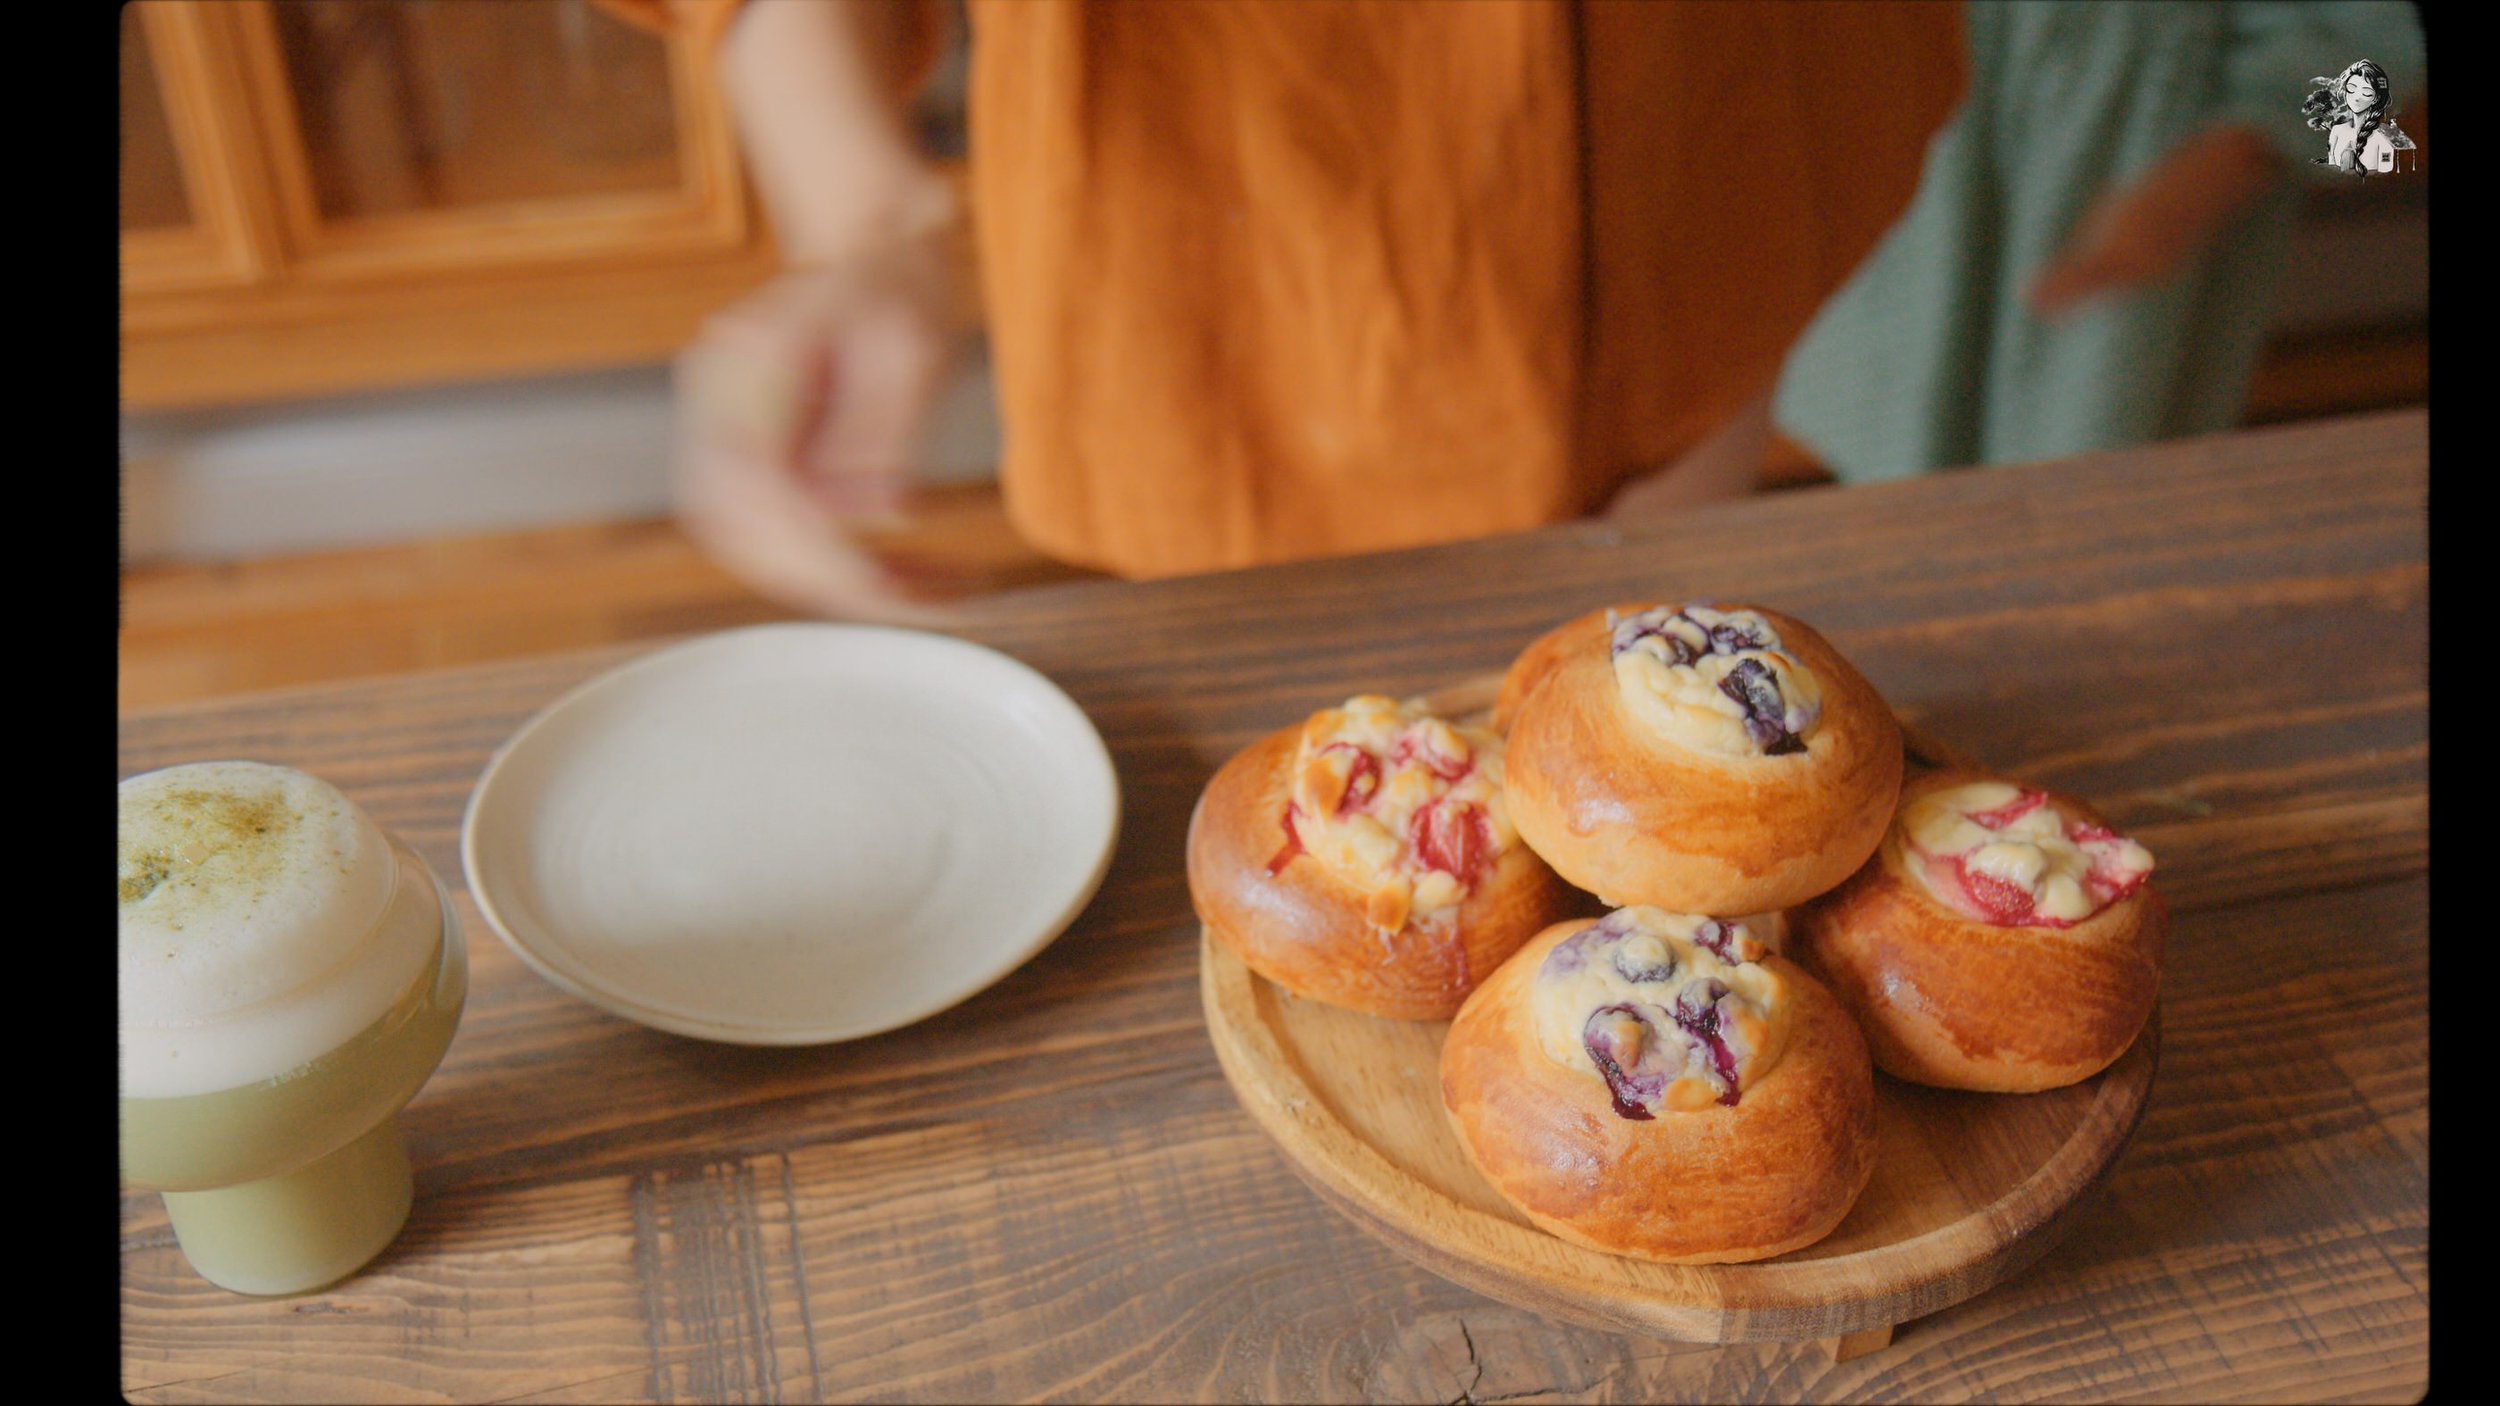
(291, 975)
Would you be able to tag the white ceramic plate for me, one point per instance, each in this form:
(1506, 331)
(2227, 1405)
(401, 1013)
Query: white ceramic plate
(793, 834)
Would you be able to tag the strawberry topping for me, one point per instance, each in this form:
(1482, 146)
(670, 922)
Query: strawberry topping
(2108, 882)
(1455, 839)
(1362, 780)
(2003, 900)
(1411, 747)
(2069, 868)
(1293, 844)
(2023, 804)
(2008, 904)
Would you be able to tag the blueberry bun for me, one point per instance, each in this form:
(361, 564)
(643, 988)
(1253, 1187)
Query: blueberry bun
(1700, 759)
(1659, 1085)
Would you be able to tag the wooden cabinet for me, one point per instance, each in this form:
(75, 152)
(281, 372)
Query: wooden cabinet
(331, 195)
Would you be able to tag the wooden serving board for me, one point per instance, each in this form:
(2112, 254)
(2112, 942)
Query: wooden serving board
(1968, 1188)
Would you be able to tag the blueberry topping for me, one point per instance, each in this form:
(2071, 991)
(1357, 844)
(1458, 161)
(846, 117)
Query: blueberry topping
(1640, 627)
(1697, 1013)
(1623, 1042)
(1642, 1047)
(1700, 1000)
(1684, 638)
(1573, 952)
(1644, 966)
(1757, 690)
(1735, 637)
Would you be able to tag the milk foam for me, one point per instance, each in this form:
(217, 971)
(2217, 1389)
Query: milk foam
(264, 920)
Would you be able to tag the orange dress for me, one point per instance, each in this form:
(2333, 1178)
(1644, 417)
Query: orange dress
(1269, 280)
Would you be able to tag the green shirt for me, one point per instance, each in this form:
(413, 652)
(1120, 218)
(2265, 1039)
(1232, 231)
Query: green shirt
(1929, 357)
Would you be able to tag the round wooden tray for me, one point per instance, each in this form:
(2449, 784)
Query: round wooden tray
(1968, 1188)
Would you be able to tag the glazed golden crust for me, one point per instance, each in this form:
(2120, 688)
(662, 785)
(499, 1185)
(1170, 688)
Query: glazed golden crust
(1303, 926)
(1959, 1004)
(1542, 656)
(1635, 818)
(1777, 1171)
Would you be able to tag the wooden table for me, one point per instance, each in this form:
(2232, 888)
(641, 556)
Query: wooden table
(1049, 1192)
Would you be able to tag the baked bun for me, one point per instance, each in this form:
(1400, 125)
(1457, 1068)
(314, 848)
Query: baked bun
(1699, 759)
(1366, 858)
(1658, 1085)
(2003, 938)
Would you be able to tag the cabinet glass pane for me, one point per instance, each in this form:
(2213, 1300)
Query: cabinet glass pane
(443, 104)
(152, 194)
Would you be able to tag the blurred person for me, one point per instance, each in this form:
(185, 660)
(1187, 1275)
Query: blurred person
(2096, 242)
(1276, 280)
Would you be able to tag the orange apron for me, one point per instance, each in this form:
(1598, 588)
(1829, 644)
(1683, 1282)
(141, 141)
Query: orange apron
(1270, 279)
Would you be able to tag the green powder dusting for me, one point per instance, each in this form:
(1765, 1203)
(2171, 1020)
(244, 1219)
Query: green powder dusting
(143, 871)
(189, 828)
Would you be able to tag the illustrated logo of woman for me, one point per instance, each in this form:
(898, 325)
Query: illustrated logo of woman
(2351, 108)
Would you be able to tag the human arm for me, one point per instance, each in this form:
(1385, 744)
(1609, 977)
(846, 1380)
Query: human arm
(2147, 230)
(2152, 227)
(802, 407)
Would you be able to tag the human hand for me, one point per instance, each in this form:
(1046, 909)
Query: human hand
(801, 415)
(2142, 235)
(1726, 465)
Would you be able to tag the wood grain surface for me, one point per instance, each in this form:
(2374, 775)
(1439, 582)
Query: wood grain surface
(1049, 1192)
(192, 631)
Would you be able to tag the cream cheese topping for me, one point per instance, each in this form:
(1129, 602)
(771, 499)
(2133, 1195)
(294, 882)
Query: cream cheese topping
(1404, 805)
(1671, 1011)
(1714, 681)
(2011, 856)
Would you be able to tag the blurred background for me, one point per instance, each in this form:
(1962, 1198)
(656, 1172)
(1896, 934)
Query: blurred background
(400, 280)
